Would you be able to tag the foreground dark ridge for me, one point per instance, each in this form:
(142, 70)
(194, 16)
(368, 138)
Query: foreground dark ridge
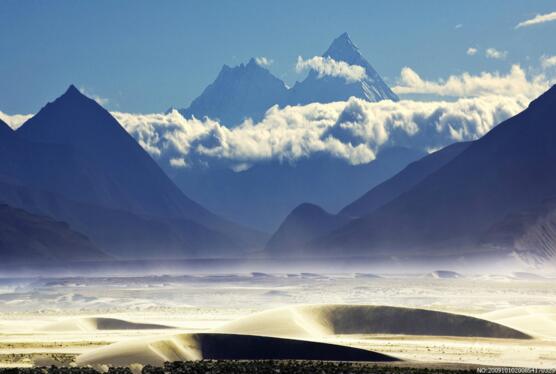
(236, 367)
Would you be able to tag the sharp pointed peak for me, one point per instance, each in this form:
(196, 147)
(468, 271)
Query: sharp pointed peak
(344, 40)
(73, 93)
(344, 36)
(72, 90)
(342, 47)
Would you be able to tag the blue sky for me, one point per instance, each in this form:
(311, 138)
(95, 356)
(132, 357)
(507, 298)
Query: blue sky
(145, 56)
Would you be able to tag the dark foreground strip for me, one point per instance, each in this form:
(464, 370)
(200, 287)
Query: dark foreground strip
(247, 367)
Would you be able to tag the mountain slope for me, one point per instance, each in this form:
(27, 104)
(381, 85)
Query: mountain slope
(123, 234)
(504, 172)
(103, 180)
(26, 237)
(303, 224)
(299, 228)
(244, 91)
(263, 195)
(140, 185)
(403, 181)
(5, 130)
(328, 89)
(530, 233)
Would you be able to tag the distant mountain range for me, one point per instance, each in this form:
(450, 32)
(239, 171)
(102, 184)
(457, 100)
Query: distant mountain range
(494, 195)
(74, 162)
(265, 193)
(75, 186)
(249, 90)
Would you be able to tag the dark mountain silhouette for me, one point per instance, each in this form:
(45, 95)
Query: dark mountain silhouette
(244, 91)
(370, 201)
(74, 162)
(263, 195)
(137, 184)
(403, 181)
(5, 130)
(26, 237)
(328, 89)
(305, 223)
(121, 233)
(504, 173)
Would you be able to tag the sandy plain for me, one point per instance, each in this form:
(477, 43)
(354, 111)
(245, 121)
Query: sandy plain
(75, 320)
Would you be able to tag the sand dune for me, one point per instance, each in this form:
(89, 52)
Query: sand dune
(322, 320)
(222, 346)
(538, 321)
(99, 323)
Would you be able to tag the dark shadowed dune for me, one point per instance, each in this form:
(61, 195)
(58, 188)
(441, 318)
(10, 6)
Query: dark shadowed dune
(322, 320)
(223, 347)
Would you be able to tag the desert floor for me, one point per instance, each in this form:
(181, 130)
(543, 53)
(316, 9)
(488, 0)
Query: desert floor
(54, 320)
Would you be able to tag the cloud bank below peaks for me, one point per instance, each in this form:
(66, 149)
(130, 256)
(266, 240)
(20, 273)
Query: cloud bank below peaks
(514, 83)
(355, 130)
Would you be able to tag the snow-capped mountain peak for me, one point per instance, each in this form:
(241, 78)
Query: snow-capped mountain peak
(343, 49)
(316, 88)
(249, 89)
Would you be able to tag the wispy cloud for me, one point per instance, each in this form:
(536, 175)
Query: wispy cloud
(472, 51)
(495, 54)
(514, 83)
(263, 61)
(548, 61)
(178, 162)
(539, 18)
(327, 66)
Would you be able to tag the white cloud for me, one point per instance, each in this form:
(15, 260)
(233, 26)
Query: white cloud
(263, 61)
(16, 120)
(458, 26)
(539, 18)
(496, 54)
(354, 130)
(327, 66)
(178, 162)
(548, 61)
(471, 51)
(514, 83)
